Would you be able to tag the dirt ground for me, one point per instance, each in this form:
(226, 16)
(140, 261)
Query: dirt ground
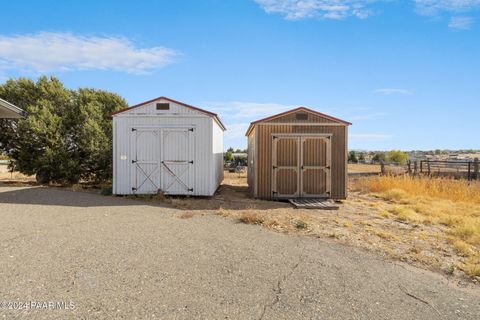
(362, 221)
(120, 258)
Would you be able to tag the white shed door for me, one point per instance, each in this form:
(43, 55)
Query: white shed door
(177, 160)
(145, 160)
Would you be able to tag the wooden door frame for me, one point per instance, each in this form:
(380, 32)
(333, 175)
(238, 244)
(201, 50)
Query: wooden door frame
(327, 137)
(327, 168)
(275, 168)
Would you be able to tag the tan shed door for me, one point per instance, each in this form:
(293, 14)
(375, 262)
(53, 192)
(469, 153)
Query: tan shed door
(316, 167)
(286, 163)
(301, 166)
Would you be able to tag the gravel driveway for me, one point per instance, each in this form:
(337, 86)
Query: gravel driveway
(115, 258)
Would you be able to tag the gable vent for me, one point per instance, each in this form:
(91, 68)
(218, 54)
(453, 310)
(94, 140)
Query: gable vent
(301, 116)
(163, 106)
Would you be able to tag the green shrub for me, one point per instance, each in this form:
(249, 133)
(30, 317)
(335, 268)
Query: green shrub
(66, 135)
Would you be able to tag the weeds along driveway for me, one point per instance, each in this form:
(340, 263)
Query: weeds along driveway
(123, 259)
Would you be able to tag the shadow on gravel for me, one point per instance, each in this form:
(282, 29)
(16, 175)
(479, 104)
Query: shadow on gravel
(227, 197)
(51, 196)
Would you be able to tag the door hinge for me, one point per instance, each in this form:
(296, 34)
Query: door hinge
(274, 192)
(191, 129)
(191, 189)
(134, 189)
(275, 167)
(274, 137)
(133, 129)
(134, 161)
(191, 162)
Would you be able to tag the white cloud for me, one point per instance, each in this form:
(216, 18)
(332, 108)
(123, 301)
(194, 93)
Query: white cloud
(369, 136)
(341, 9)
(390, 91)
(460, 23)
(237, 116)
(247, 110)
(327, 9)
(433, 7)
(47, 52)
(236, 130)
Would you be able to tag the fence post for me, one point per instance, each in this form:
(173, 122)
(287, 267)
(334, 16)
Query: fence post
(428, 167)
(469, 175)
(382, 167)
(475, 169)
(409, 166)
(415, 168)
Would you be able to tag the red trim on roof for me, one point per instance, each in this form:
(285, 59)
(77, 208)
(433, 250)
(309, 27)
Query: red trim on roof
(323, 115)
(211, 114)
(304, 109)
(164, 98)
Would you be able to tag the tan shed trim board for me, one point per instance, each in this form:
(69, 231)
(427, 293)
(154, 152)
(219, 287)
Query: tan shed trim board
(318, 124)
(346, 162)
(326, 135)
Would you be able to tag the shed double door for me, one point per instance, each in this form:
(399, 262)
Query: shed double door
(301, 166)
(162, 160)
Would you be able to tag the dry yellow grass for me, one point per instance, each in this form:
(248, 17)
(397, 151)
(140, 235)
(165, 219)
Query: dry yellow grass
(453, 204)
(363, 168)
(449, 189)
(15, 176)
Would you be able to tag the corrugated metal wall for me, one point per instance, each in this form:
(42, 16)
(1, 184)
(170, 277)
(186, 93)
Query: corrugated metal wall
(217, 168)
(206, 164)
(264, 155)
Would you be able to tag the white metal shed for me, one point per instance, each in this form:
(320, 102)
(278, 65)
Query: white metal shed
(166, 145)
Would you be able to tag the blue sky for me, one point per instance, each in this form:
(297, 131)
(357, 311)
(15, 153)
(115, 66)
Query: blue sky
(405, 72)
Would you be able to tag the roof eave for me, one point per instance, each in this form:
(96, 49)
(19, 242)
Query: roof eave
(13, 109)
(254, 123)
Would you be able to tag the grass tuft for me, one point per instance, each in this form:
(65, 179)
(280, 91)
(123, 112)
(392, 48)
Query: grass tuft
(252, 218)
(301, 224)
(405, 214)
(394, 195)
(462, 248)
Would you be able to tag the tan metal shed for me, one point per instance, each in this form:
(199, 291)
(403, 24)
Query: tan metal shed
(300, 153)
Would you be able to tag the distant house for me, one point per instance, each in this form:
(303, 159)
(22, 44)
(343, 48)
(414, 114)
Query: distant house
(9, 111)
